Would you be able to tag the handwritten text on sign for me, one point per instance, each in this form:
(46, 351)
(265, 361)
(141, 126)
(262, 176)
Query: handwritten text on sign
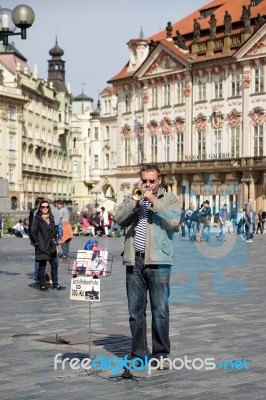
(86, 289)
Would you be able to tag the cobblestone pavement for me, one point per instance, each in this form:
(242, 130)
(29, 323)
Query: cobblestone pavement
(217, 310)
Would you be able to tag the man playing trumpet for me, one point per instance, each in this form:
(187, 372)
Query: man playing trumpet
(150, 218)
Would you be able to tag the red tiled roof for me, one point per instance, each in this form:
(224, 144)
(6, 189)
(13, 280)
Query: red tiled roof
(10, 61)
(234, 7)
(186, 26)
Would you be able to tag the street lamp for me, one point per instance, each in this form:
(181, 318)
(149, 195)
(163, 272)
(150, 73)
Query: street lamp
(96, 192)
(22, 17)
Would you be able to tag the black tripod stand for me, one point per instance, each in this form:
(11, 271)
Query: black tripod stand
(126, 375)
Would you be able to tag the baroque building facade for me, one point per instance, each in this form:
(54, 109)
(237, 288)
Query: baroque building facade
(192, 99)
(35, 129)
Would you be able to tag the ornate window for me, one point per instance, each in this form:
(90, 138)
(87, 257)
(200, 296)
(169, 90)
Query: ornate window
(201, 144)
(128, 102)
(235, 133)
(154, 148)
(258, 80)
(12, 141)
(180, 92)
(217, 142)
(235, 84)
(96, 133)
(166, 147)
(202, 89)
(139, 100)
(218, 86)
(127, 151)
(180, 146)
(154, 97)
(166, 95)
(258, 140)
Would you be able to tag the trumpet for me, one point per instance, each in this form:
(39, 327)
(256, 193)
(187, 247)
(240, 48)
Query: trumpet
(137, 194)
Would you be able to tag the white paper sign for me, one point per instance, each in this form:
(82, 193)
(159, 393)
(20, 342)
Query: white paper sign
(85, 288)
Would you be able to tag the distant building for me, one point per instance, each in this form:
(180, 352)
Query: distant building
(35, 129)
(193, 100)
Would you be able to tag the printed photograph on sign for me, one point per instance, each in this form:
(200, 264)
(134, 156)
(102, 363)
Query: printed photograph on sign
(79, 267)
(98, 263)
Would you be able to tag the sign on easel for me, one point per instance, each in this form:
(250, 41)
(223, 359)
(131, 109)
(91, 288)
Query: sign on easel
(91, 262)
(85, 288)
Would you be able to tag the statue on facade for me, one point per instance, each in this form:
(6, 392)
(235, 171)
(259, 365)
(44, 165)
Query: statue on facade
(259, 21)
(227, 23)
(180, 41)
(169, 30)
(212, 23)
(245, 17)
(196, 30)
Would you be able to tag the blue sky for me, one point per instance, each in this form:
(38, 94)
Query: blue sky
(93, 34)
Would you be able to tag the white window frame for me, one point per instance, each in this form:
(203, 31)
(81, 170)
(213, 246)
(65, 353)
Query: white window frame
(235, 141)
(166, 94)
(166, 147)
(180, 92)
(235, 84)
(258, 140)
(258, 80)
(127, 152)
(154, 149)
(179, 146)
(201, 144)
(154, 97)
(202, 89)
(218, 86)
(217, 141)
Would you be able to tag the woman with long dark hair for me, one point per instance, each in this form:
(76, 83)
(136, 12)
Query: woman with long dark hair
(44, 239)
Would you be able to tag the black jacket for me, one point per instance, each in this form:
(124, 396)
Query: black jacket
(44, 238)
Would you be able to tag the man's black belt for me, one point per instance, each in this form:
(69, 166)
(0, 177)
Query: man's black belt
(140, 254)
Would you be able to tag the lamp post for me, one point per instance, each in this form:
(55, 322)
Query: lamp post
(21, 17)
(96, 192)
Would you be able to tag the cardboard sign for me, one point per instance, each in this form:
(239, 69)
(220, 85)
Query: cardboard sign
(85, 288)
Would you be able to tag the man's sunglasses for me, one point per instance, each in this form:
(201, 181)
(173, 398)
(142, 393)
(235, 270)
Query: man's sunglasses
(149, 180)
(44, 206)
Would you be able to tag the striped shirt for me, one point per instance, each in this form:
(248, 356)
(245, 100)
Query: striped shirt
(140, 238)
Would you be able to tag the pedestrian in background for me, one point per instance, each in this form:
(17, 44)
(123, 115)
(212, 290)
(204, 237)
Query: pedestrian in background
(67, 230)
(44, 239)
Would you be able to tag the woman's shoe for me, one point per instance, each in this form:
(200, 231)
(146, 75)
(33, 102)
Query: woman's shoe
(59, 287)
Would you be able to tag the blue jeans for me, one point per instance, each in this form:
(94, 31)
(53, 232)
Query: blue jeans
(206, 234)
(36, 269)
(65, 247)
(54, 271)
(191, 229)
(156, 279)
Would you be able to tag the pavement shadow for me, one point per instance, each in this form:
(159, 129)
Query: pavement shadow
(9, 273)
(119, 345)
